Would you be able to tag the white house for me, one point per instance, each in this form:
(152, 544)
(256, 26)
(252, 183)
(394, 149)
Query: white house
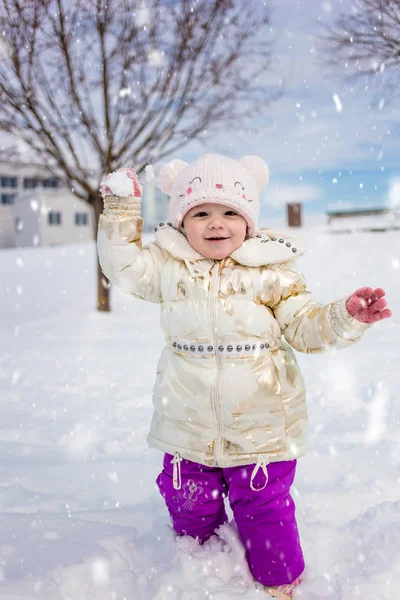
(35, 209)
(44, 217)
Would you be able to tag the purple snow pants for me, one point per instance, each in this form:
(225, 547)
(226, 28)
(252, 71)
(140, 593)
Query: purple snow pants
(265, 519)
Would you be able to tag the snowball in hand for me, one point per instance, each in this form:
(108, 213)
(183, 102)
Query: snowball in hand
(122, 183)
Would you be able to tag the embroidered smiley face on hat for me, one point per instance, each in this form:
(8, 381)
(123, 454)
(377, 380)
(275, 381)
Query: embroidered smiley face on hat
(217, 179)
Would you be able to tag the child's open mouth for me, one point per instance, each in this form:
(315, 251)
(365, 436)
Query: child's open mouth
(216, 239)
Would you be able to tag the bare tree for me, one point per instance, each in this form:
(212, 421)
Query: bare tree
(365, 41)
(93, 85)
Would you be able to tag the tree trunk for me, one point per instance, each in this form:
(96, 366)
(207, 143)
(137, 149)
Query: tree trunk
(103, 285)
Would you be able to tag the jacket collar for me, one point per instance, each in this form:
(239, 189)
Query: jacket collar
(268, 246)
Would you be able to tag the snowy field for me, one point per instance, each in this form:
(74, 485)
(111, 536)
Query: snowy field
(80, 514)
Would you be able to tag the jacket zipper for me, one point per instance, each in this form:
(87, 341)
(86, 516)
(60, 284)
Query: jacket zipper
(215, 275)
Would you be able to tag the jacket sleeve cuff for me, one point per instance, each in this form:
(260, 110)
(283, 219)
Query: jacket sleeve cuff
(343, 324)
(122, 208)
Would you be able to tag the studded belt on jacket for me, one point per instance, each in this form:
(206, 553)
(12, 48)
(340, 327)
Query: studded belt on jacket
(234, 348)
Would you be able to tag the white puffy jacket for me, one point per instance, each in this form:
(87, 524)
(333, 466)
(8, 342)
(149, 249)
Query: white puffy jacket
(228, 389)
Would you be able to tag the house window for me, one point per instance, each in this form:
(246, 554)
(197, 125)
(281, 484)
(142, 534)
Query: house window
(18, 224)
(51, 182)
(30, 183)
(81, 218)
(7, 198)
(54, 218)
(8, 182)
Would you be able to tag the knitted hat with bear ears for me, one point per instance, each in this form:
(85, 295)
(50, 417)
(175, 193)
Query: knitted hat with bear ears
(217, 179)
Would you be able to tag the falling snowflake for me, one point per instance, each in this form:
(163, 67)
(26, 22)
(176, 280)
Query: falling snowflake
(338, 103)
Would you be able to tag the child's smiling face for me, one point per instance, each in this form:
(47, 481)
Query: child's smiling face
(214, 230)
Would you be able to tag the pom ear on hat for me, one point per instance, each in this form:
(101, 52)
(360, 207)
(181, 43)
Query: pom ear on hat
(258, 168)
(168, 174)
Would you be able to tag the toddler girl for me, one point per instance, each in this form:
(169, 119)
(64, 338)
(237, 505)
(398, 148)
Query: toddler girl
(229, 400)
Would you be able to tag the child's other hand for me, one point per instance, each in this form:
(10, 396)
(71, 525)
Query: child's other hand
(368, 305)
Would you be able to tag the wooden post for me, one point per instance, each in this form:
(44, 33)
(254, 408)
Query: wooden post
(294, 214)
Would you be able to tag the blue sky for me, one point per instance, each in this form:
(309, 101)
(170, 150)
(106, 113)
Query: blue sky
(327, 142)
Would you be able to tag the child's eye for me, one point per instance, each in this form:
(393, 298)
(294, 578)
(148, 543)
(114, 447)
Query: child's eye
(203, 213)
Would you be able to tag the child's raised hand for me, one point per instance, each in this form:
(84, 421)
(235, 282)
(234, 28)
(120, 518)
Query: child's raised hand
(122, 194)
(368, 305)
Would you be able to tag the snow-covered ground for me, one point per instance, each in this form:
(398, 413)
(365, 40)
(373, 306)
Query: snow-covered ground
(80, 514)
